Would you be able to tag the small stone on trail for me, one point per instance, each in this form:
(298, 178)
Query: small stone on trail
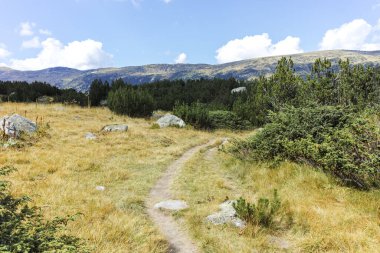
(90, 136)
(174, 205)
(227, 214)
(100, 188)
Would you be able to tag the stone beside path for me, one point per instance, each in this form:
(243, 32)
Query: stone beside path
(227, 214)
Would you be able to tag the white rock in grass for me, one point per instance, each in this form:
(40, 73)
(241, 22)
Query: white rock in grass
(15, 124)
(170, 120)
(100, 188)
(227, 214)
(173, 205)
(113, 128)
(90, 136)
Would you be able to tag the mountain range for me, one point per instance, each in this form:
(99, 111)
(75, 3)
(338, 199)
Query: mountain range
(247, 69)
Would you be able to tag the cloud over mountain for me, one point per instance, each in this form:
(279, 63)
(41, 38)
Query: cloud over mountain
(86, 54)
(257, 46)
(355, 35)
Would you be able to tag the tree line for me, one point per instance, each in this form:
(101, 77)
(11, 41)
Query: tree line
(17, 91)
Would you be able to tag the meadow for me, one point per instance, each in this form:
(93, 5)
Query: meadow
(61, 170)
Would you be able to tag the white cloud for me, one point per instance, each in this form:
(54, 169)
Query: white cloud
(26, 28)
(44, 32)
(256, 46)
(32, 43)
(135, 3)
(86, 54)
(181, 58)
(355, 35)
(4, 53)
(167, 1)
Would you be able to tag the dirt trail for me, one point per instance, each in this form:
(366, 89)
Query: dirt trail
(177, 237)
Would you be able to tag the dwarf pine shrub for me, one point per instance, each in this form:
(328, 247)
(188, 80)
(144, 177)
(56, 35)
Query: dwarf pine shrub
(23, 228)
(263, 213)
(340, 141)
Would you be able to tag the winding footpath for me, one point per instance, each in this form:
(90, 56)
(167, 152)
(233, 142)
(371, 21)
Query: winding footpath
(178, 239)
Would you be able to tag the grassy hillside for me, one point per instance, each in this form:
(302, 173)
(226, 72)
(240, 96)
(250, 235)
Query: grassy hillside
(247, 69)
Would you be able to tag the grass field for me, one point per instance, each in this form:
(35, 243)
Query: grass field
(60, 172)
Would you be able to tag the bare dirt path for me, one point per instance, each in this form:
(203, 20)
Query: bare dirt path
(178, 239)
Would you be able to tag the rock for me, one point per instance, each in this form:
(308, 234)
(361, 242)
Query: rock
(227, 214)
(103, 102)
(278, 242)
(238, 90)
(100, 188)
(113, 128)
(157, 115)
(45, 100)
(90, 136)
(173, 205)
(15, 124)
(170, 120)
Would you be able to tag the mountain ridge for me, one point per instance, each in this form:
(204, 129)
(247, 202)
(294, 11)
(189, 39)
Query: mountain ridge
(64, 77)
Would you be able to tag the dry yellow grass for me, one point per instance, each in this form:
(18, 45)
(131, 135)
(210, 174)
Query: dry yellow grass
(327, 217)
(61, 172)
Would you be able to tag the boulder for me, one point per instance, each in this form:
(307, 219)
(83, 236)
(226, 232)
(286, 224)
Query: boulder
(115, 128)
(15, 124)
(238, 90)
(172, 205)
(227, 214)
(90, 136)
(170, 120)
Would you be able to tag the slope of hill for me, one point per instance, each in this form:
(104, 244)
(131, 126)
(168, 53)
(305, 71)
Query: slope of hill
(247, 69)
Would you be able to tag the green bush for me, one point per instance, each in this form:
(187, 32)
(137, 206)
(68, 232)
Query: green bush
(228, 120)
(23, 228)
(339, 140)
(261, 214)
(130, 101)
(195, 114)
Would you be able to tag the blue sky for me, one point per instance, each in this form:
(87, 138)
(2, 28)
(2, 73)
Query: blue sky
(86, 34)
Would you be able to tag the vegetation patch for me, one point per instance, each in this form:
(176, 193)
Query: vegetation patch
(23, 228)
(341, 141)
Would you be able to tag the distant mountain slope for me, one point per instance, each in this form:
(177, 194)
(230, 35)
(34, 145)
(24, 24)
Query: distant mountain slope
(247, 69)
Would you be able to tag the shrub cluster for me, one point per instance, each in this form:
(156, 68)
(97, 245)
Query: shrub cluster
(201, 117)
(339, 140)
(23, 228)
(132, 102)
(261, 214)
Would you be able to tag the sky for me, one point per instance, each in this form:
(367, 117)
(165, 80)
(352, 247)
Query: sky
(87, 34)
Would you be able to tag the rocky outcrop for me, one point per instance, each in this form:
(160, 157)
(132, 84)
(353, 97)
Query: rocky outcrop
(15, 125)
(170, 120)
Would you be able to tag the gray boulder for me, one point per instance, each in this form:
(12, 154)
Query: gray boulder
(170, 120)
(227, 214)
(15, 124)
(238, 90)
(115, 128)
(172, 205)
